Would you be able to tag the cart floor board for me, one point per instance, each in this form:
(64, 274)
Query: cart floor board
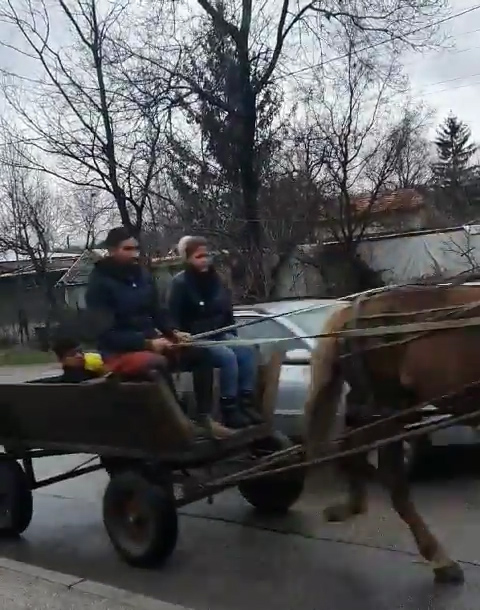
(199, 452)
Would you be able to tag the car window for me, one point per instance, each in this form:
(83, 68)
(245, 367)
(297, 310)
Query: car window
(267, 329)
(312, 321)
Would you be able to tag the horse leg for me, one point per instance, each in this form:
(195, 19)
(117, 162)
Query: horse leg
(392, 471)
(356, 469)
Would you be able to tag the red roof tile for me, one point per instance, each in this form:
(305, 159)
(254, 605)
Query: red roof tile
(401, 200)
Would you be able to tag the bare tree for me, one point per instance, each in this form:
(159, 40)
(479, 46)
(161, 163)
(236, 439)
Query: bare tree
(29, 220)
(80, 112)
(352, 117)
(90, 214)
(237, 88)
(413, 159)
(462, 252)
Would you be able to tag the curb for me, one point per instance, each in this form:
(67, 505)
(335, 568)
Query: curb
(88, 587)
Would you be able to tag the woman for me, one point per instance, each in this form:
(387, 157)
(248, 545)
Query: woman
(199, 302)
(136, 335)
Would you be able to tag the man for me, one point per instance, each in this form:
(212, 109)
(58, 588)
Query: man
(135, 335)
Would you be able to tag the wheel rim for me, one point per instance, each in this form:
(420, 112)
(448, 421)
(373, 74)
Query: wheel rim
(131, 524)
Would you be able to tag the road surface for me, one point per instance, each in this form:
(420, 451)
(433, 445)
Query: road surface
(228, 559)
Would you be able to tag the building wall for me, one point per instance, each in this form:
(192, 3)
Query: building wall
(23, 306)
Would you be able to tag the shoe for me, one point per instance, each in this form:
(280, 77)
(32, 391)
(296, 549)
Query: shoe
(233, 417)
(219, 431)
(248, 408)
(212, 429)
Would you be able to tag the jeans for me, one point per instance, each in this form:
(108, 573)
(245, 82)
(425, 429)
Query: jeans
(238, 367)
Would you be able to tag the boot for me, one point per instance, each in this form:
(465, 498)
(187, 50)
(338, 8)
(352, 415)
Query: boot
(249, 409)
(232, 415)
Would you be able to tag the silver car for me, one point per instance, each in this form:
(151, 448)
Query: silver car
(300, 319)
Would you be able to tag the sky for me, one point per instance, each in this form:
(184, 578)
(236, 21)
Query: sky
(449, 79)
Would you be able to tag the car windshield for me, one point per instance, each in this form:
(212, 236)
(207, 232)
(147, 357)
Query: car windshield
(312, 321)
(267, 329)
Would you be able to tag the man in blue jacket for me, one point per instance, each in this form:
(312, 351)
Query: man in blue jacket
(136, 335)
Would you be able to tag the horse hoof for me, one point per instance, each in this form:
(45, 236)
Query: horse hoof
(451, 574)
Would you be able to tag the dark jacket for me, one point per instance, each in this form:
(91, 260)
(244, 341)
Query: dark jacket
(200, 302)
(125, 300)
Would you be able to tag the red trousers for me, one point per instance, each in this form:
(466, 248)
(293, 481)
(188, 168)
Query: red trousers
(134, 363)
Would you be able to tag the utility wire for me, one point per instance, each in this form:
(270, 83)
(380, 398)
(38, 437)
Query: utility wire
(381, 42)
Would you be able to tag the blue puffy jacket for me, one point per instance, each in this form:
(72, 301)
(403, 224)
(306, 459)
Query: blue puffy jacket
(200, 302)
(125, 298)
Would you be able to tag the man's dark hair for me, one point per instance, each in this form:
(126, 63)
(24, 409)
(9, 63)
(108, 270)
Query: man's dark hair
(116, 236)
(61, 346)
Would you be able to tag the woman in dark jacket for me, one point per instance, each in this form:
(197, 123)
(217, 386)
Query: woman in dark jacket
(199, 302)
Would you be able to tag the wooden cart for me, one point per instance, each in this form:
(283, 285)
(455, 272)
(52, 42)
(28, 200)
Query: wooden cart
(144, 441)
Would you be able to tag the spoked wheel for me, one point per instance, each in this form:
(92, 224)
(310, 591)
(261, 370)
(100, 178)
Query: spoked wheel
(140, 519)
(16, 500)
(277, 493)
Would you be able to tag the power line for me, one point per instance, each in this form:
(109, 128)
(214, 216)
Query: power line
(447, 89)
(381, 42)
(451, 80)
(442, 56)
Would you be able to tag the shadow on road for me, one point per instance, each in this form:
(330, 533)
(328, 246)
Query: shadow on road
(445, 463)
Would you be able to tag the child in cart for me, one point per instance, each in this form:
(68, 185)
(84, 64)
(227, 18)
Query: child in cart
(78, 365)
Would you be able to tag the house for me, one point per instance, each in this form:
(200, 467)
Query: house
(399, 211)
(73, 282)
(23, 294)
(393, 211)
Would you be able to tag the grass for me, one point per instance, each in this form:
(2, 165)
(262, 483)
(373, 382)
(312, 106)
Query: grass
(21, 356)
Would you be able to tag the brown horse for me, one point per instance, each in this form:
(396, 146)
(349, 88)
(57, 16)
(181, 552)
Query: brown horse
(387, 374)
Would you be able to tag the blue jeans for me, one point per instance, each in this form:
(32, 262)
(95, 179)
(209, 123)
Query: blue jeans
(237, 365)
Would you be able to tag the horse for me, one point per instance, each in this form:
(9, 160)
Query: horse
(388, 375)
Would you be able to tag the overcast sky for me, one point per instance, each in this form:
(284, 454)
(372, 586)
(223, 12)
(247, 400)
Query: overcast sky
(449, 80)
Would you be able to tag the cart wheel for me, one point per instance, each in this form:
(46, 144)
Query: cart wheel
(140, 519)
(277, 493)
(16, 500)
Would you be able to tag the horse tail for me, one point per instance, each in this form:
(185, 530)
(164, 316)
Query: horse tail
(326, 385)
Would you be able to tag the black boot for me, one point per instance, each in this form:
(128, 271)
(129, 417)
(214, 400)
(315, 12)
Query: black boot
(249, 408)
(232, 415)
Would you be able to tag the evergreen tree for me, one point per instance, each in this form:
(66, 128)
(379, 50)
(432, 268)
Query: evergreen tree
(455, 150)
(235, 113)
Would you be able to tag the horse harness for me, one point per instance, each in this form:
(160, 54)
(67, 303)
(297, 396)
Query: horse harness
(362, 400)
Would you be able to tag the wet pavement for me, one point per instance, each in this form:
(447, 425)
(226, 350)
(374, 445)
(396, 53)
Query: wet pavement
(229, 559)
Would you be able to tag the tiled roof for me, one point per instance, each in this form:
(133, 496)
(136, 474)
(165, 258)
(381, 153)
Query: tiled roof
(398, 201)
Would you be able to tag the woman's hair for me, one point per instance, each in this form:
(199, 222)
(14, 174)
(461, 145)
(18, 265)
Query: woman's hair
(189, 244)
(116, 236)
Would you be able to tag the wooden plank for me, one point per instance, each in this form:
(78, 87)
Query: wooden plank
(199, 452)
(130, 416)
(399, 329)
(267, 385)
(137, 420)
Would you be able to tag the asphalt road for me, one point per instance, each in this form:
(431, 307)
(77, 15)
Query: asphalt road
(229, 559)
